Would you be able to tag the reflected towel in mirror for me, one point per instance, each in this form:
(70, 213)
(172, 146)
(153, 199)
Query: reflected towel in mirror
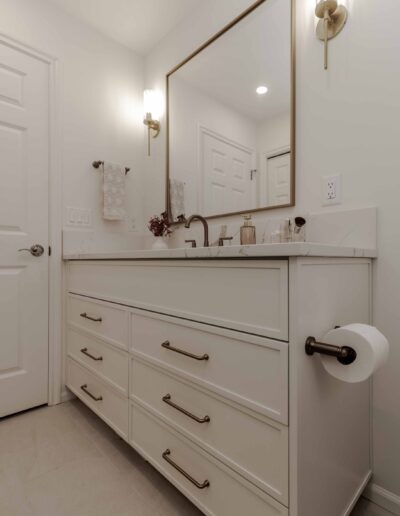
(177, 198)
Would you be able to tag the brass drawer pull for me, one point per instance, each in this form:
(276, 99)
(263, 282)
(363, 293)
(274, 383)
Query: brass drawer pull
(86, 352)
(95, 319)
(168, 346)
(167, 399)
(166, 455)
(85, 390)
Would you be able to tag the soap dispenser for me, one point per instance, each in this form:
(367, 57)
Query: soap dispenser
(247, 231)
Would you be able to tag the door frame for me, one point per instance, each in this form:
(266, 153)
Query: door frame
(264, 157)
(54, 218)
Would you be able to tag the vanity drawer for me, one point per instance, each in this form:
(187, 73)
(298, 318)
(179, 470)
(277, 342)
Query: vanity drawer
(227, 494)
(101, 319)
(102, 399)
(253, 445)
(231, 355)
(244, 295)
(110, 363)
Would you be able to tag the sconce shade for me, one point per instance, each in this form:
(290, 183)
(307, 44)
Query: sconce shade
(152, 103)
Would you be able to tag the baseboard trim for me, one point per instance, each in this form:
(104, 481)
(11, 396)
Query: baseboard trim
(357, 494)
(66, 395)
(383, 498)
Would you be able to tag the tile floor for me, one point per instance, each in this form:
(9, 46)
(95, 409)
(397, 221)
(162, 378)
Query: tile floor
(64, 461)
(366, 508)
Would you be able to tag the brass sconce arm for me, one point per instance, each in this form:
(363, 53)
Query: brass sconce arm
(332, 20)
(152, 125)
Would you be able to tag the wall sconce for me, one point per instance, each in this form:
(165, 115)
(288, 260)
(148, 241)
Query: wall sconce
(152, 101)
(332, 20)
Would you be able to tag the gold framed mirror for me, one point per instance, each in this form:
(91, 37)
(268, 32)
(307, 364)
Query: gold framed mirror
(231, 118)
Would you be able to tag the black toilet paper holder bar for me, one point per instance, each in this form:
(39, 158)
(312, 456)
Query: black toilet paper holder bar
(345, 354)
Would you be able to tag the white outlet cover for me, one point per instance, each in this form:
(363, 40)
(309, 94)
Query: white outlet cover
(331, 190)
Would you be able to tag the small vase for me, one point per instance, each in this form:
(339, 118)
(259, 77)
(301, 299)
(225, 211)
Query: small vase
(160, 242)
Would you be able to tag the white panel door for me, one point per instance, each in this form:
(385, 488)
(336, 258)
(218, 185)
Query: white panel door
(24, 151)
(278, 180)
(226, 176)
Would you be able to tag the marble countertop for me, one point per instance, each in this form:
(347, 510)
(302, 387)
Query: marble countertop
(232, 251)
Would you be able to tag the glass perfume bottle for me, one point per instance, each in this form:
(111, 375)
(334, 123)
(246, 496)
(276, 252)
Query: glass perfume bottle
(247, 231)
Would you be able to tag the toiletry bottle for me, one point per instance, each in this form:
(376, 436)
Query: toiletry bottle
(285, 231)
(247, 231)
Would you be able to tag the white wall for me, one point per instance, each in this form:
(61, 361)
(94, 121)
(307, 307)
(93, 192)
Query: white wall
(348, 122)
(100, 111)
(274, 134)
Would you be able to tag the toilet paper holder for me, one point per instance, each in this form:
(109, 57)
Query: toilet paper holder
(345, 354)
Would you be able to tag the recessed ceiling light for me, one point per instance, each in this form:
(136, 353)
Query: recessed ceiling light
(262, 90)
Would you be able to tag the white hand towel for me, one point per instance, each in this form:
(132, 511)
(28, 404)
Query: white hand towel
(114, 191)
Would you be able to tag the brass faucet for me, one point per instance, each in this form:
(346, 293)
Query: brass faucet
(205, 226)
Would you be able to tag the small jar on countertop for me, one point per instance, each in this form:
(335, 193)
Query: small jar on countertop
(247, 231)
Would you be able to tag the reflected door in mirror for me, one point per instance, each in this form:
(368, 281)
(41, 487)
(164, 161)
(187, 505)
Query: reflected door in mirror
(225, 175)
(277, 192)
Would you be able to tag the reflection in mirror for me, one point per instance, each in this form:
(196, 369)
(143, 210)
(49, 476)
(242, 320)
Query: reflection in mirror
(230, 118)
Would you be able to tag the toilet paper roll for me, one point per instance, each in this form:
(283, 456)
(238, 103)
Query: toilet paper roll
(370, 344)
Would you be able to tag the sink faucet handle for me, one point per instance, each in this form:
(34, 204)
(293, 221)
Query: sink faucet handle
(222, 239)
(193, 242)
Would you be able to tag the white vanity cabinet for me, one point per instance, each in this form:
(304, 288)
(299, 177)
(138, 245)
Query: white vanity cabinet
(200, 366)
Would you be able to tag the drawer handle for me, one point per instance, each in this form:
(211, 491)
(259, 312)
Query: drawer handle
(95, 319)
(199, 485)
(86, 352)
(168, 346)
(86, 391)
(167, 399)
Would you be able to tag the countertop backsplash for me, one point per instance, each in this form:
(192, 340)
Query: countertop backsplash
(347, 228)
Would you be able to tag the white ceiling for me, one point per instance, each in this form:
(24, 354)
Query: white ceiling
(255, 52)
(138, 24)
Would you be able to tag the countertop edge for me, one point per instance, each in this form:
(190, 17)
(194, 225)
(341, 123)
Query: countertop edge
(299, 249)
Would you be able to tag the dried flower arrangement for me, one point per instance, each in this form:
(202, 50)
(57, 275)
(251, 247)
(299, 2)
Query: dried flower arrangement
(160, 225)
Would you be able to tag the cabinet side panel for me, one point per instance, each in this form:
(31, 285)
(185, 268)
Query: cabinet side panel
(330, 419)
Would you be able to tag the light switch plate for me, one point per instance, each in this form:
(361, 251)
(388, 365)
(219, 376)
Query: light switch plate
(79, 216)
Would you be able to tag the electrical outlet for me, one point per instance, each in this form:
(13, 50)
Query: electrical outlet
(331, 190)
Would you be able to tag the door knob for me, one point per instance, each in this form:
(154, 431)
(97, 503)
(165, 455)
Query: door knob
(35, 250)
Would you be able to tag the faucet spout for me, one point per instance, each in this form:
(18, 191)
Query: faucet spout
(205, 226)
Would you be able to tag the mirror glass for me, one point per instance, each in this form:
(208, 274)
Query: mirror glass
(230, 116)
